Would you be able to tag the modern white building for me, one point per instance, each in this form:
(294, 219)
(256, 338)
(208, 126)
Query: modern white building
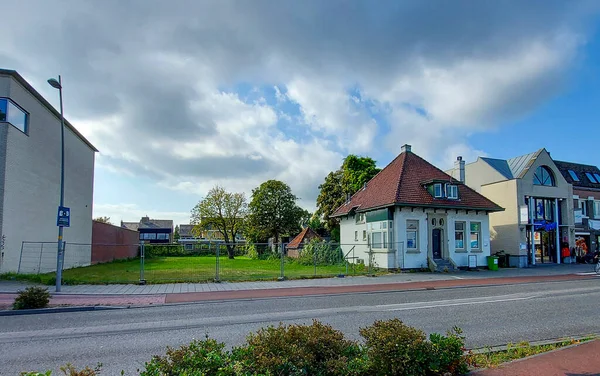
(30, 162)
(413, 215)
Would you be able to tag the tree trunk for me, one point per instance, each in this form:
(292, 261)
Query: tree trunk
(231, 251)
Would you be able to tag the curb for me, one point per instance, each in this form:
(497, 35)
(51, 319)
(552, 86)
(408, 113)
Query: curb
(499, 348)
(38, 311)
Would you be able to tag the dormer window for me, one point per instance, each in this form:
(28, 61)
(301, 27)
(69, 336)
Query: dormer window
(437, 190)
(452, 191)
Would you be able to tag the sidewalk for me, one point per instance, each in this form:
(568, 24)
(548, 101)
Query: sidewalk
(576, 360)
(134, 295)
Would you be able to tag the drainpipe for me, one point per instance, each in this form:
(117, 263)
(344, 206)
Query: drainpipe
(557, 231)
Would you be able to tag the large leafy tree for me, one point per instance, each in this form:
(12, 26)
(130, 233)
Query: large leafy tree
(223, 211)
(103, 220)
(273, 211)
(354, 172)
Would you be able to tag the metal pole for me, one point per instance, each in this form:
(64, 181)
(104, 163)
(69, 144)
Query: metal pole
(532, 221)
(218, 263)
(282, 268)
(556, 232)
(142, 260)
(60, 250)
(20, 258)
(40, 260)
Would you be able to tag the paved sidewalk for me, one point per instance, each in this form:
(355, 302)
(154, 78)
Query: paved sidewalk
(170, 288)
(576, 360)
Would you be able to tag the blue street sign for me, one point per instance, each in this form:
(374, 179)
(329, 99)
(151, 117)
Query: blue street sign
(64, 217)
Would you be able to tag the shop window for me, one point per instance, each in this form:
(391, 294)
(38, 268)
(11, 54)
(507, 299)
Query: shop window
(412, 235)
(475, 235)
(459, 235)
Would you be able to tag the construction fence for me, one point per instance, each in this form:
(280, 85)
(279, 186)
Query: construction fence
(203, 261)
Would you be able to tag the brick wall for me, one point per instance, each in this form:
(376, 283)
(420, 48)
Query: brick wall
(112, 243)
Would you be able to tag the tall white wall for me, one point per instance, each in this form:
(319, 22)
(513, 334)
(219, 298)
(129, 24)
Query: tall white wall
(412, 259)
(32, 184)
(461, 257)
(359, 248)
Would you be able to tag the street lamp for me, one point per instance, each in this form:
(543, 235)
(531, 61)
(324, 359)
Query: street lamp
(61, 245)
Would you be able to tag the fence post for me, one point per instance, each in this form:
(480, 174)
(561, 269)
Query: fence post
(218, 264)
(40, 260)
(142, 257)
(315, 250)
(20, 258)
(282, 266)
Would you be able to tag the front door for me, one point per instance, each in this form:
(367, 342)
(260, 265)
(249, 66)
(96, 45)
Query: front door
(436, 243)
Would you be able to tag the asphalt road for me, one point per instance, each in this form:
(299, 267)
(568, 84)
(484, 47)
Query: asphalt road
(123, 339)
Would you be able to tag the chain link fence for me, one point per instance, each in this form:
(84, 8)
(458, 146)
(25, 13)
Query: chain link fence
(204, 261)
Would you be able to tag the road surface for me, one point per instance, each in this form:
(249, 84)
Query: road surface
(123, 339)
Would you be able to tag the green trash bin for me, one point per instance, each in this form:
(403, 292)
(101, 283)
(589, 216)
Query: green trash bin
(492, 262)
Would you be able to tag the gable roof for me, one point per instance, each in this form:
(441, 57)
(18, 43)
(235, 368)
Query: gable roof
(513, 168)
(299, 239)
(185, 231)
(580, 170)
(156, 223)
(14, 74)
(402, 183)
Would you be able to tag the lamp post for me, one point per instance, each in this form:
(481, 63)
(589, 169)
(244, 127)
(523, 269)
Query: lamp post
(61, 245)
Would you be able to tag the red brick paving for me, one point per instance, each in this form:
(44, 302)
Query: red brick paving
(571, 361)
(327, 290)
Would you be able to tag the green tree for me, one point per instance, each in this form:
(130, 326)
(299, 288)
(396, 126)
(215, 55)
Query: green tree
(338, 185)
(176, 235)
(223, 211)
(273, 211)
(103, 220)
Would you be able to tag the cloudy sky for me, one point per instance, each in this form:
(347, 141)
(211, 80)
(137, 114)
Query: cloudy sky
(181, 95)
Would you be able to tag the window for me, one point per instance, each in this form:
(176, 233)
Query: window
(452, 191)
(459, 235)
(142, 236)
(475, 235)
(596, 209)
(376, 237)
(597, 176)
(188, 247)
(355, 236)
(360, 218)
(151, 236)
(162, 236)
(583, 207)
(412, 234)
(543, 176)
(573, 175)
(437, 190)
(364, 235)
(11, 113)
(590, 178)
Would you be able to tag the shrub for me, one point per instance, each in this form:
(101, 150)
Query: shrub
(447, 353)
(320, 253)
(315, 349)
(163, 250)
(251, 252)
(205, 357)
(68, 370)
(394, 348)
(32, 298)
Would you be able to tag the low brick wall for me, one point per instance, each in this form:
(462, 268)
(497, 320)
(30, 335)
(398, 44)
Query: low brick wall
(111, 243)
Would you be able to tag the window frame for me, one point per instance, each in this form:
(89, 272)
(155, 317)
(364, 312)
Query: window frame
(596, 209)
(377, 245)
(26, 115)
(452, 191)
(364, 235)
(355, 235)
(462, 232)
(591, 178)
(437, 186)
(415, 230)
(540, 180)
(478, 233)
(574, 175)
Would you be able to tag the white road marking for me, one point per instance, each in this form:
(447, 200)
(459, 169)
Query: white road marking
(455, 277)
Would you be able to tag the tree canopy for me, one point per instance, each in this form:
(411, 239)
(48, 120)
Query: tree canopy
(103, 220)
(354, 172)
(273, 211)
(223, 211)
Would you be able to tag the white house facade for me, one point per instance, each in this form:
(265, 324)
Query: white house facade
(30, 180)
(412, 215)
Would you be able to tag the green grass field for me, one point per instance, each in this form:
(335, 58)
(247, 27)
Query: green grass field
(188, 269)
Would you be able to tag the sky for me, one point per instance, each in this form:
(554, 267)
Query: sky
(184, 95)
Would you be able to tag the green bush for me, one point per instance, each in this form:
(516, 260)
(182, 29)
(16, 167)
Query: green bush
(205, 357)
(69, 370)
(447, 353)
(394, 348)
(163, 250)
(320, 253)
(32, 298)
(315, 349)
(251, 252)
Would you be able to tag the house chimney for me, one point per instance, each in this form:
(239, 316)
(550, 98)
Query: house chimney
(459, 166)
(145, 219)
(405, 148)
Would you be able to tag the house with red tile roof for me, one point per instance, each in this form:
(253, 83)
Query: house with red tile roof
(295, 246)
(414, 215)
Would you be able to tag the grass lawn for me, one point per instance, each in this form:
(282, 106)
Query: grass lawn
(186, 269)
